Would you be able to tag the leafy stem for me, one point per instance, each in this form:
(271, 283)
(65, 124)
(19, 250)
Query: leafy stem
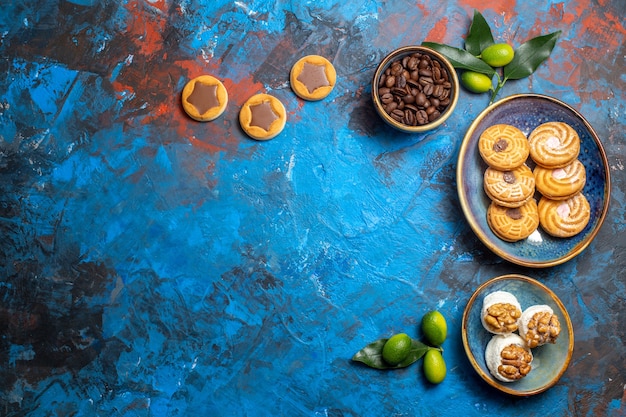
(495, 91)
(526, 59)
(372, 354)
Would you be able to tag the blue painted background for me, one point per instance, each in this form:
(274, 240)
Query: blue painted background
(151, 265)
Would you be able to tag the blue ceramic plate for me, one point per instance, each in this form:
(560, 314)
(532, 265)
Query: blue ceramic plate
(549, 361)
(527, 111)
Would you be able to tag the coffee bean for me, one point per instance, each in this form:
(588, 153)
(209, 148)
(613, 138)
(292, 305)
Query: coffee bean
(401, 81)
(415, 89)
(434, 116)
(386, 98)
(422, 117)
(397, 114)
(420, 99)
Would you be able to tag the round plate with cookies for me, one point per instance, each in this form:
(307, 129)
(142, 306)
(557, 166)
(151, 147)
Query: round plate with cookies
(533, 180)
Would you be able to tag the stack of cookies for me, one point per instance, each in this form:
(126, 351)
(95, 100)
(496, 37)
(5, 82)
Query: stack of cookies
(508, 182)
(558, 177)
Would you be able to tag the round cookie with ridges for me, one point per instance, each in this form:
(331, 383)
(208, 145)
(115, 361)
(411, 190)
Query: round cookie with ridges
(262, 117)
(560, 183)
(564, 218)
(312, 77)
(204, 98)
(503, 147)
(509, 188)
(513, 224)
(554, 144)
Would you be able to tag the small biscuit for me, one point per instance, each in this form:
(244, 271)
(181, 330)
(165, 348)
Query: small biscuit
(503, 147)
(513, 224)
(560, 183)
(564, 218)
(312, 77)
(262, 117)
(204, 98)
(554, 144)
(509, 188)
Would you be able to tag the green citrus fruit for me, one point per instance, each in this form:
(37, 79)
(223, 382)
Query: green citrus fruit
(434, 328)
(476, 82)
(396, 348)
(498, 55)
(434, 366)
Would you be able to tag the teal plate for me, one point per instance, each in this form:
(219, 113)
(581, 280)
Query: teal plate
(549, 361)
(527, 111)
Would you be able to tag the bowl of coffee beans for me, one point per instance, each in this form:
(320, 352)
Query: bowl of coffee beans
(415, 89)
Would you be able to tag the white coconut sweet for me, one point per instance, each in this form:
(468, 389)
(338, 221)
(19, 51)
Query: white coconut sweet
(538, 325)
(503, 369)
(506, 320)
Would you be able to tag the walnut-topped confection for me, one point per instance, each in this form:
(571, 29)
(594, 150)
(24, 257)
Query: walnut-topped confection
(515, 362)
(508, 358)
(501, 312)
(539, 326)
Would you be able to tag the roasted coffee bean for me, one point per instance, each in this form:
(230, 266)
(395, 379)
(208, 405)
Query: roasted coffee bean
(399, 92)
(401, 81)
(409, 118)
(422, 117)
(437, 90)
(420, 99)
(415, 89)
(425, 73)
(397, 114)
(386, 98)
(426, 81)
(391, 106)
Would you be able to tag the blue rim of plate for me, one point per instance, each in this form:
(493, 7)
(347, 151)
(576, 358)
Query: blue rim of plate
(550, 361)
(527, 111)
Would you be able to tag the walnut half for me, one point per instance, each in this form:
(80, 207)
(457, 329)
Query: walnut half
(539, 325)
(516, 362)
(500, 312)
(508, 358)
(502, 318)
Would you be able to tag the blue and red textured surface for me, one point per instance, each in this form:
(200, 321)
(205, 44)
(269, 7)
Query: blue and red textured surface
(153, 265)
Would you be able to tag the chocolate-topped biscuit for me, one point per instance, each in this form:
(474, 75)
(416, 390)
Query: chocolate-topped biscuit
(204, 98)
(262, 117)
(513, 224)
(503, 147)
(313, 77)
(509, 188)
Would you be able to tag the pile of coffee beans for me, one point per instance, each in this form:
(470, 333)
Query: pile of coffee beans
(415, 89)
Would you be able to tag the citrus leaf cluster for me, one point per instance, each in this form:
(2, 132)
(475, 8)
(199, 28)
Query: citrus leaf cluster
(526, 59)
(372, 355)
(376, 355)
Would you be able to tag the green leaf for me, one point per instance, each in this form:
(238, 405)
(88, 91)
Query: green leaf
(372, 355)
(461, 59)
(479, 36)
(530, 55)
